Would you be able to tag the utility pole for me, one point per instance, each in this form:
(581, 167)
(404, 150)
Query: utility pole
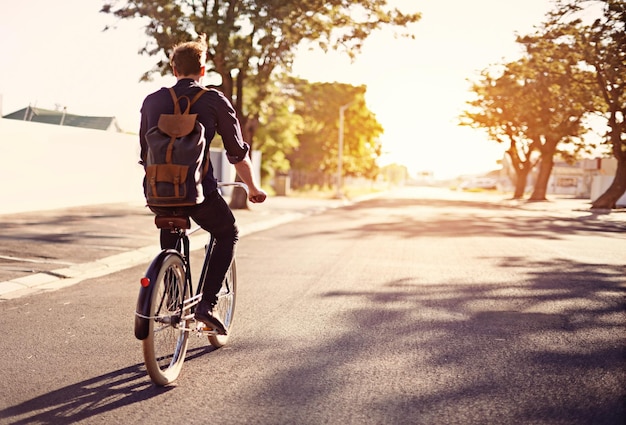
(339, 193)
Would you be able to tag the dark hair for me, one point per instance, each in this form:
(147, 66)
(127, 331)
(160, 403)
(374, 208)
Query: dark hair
(187, 58)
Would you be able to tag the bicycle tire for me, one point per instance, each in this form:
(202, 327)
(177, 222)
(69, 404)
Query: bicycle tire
(165, 347)
(225, 306)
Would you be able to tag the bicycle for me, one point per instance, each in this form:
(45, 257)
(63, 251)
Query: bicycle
(164, 317)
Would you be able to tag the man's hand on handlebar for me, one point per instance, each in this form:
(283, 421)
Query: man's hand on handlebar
(257, 196)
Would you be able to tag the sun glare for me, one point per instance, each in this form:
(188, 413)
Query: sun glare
(418, 88)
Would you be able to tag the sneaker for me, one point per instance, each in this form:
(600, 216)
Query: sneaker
(204, 314)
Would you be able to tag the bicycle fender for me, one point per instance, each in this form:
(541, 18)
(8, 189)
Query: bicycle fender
(142, 325)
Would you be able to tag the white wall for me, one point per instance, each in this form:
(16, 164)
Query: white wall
(44, 167)
(600, 184)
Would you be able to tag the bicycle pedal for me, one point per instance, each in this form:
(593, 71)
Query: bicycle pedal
(202, 328)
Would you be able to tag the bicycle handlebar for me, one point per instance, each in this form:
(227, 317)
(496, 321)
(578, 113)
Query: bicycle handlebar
(237, 184)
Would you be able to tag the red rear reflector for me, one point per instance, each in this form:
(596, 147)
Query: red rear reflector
(145, 282)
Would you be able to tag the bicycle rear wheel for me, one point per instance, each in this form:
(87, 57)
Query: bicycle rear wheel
(225, 307)
(166, 345)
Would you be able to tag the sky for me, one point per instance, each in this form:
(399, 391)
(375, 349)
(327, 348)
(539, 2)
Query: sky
(55, 54)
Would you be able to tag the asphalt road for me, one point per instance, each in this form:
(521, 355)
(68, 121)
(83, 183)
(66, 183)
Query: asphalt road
(412, 308)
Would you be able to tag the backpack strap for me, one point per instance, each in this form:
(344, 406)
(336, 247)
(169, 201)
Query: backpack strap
(175, 99)
(197, 96)
(174, 127)
(207, 159)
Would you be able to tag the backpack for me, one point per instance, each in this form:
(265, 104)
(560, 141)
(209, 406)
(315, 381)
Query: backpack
(177, 159)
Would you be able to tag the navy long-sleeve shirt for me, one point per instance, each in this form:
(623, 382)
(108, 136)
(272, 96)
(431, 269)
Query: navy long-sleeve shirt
(214, 111)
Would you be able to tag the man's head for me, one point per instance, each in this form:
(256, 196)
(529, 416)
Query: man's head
(187, 59)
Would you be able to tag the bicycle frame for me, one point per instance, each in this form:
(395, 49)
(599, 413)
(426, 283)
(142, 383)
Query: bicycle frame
(142, 312)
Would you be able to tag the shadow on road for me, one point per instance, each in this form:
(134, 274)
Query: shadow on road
(565, 329)
(461, 218)
(548, 351)
(545, 345)
(92, 397)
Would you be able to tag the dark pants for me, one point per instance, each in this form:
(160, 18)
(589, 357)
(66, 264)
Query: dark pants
(214, 216)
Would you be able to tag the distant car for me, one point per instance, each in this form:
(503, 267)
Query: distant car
(486, 183)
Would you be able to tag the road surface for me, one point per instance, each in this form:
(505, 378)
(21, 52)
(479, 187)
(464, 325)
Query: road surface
(417, 307)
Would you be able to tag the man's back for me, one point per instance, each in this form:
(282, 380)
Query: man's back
(214, 111)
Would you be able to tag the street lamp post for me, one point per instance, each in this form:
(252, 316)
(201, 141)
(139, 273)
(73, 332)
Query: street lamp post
(342, 109)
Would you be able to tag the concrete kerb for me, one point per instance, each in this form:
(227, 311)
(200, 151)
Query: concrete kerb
(71, 275)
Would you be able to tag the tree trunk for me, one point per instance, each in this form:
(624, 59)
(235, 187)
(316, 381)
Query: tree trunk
(521, 176)
(608, 199)
(521, 167)
(541, 185)
(227, 79)
(239, 200)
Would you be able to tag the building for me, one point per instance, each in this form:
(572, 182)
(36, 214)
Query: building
(62, 118)
(586, 178)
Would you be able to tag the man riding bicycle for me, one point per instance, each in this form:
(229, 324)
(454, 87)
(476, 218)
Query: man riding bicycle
(216, 114)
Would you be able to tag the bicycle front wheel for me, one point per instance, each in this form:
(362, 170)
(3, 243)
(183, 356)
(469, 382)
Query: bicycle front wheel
(166, 345)
(225, 306)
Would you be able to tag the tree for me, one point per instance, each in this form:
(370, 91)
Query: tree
(319, 105)
(602, 45)
(251, 40)
(277, 135)
(395, 174)
(538, 103)
(558, 85)
(500, 109)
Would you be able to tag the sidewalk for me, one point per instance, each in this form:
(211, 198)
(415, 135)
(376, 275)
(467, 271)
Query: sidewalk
(49, 250)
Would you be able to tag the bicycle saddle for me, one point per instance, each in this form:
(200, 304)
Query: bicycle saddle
(172, 222)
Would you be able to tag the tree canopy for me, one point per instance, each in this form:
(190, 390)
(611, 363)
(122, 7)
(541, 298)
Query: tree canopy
(498, 108)
(319, 105)
(602, 45)
(569, 71)
(250, 41)
(536, 104)
(557, 86)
